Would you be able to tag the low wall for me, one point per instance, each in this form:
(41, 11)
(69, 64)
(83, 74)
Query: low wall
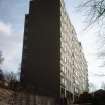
(29, 99)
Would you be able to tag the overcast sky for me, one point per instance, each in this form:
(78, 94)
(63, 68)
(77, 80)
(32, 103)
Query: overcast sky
(90, 41)
(12, 14)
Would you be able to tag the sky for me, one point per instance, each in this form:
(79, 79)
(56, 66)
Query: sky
(12, 15)
(11, 32)
(90, 40)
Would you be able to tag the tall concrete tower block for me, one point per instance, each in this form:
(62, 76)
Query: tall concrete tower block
(41, 48)
(53, 62)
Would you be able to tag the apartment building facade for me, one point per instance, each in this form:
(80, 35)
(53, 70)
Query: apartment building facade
(52, 62)
(74, 73)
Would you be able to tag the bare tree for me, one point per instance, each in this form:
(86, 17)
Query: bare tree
(19, 72)
(92, 87)
(94, 11)
(10, 76)
(103, 86)
(1, 58)
(1, 74)
(11, 79)
(1, 71)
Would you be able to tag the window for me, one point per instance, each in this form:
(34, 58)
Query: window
(61, 45)
(60, 34)
(61, 24)
(65, 59)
